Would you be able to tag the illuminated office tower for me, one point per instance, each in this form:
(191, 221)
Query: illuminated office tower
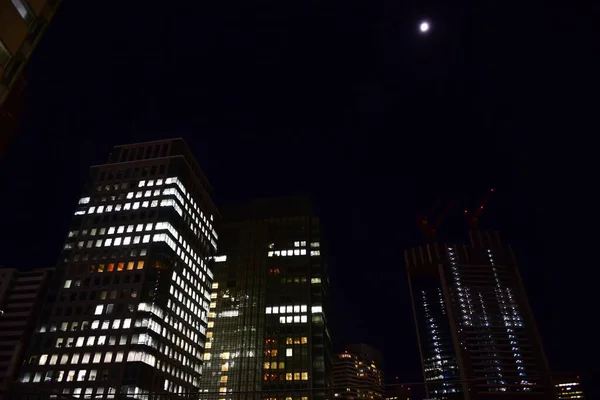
(477, 336)
(127, 310)
(358, 373)
(568, 386)
(267, 334)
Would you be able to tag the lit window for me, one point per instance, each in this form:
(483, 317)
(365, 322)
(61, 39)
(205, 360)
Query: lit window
(43, 359)
(99, 309)
(289, 352)
(67, 284)
(223, 379)
(100, 210)
(288, 376)
(305, 376)
(296, 244)
(302, 252)
(303, 319)
(111, 230)
(140, 265)
(316, 309)
(80, 341)
(296, 309)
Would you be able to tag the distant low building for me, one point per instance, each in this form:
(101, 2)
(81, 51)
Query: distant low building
(398, 392)
(358, 373)
(21, 297)
(568, 386)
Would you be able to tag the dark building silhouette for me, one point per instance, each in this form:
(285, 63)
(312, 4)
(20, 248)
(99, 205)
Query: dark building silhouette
(358, 373)
(477, 335)
(267, 332)
(22, 24)
(21, 298)
(568, 386)
(127, 309)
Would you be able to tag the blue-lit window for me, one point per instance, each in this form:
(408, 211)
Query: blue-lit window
(24, 10)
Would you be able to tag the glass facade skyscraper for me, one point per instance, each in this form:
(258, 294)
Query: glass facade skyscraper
(267, 334)
(127, 309)
(477, 336)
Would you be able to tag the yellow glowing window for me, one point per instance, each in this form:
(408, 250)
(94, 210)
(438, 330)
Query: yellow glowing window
(296, 340)
(111, 267)
(305, 376)
(274, 365)
(215, 285)
(288, 376)
(208, 345)
(304, 398)
(206, 356)
(140, 265)
(296, 376)
(212, 315)
(209, 335)
(223, 379)
(121, 266)
(100, 267)
(130, 265)
(304, 340)
(281, 365)
(225, 355)
(213, 295)
(288, 340)
(288, 398)
(267, 365)
(225, 367)
(222, 389)
(211, 324)
(213, 305)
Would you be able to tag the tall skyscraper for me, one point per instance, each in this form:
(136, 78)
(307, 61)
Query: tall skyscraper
(127, 310)
(21, 297)
(22, 23)
(358, 373)
(267, 332)
(477, 335)
(568, 386)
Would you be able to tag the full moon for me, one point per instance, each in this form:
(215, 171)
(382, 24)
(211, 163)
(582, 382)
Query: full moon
(424, 27)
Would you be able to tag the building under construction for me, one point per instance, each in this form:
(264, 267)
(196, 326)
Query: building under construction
(477, 335)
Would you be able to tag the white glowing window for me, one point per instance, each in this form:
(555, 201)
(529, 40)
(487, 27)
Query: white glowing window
(284, 252)
(99, 309)
(146, 239)
(67, 284)
(97, 357)
(316, 309)
(303, 319)
(289, 309)
(145, 204)
(127, 206)
(100, 210)
(159, 182)
(136, 205)
(80, 341)
(118, 207)
(154, 203)
(138, 195)
(95, 325)
(101, 340)
(149, 227)
(275, 310)
(277, 253)
(90, 341)
(75, 358)
(303, 308)
(91, 210)
(303, 243)
(43, 359)
(127, 240)
(86, 358)
(117, 241)
(297, 252)
(84, 200)
(108, 357)
(296, 309)
(107, 242)
(296, 318)
(289, 319)
(139, 227)
(109, 208)
(270, 254)
(282, 320)
(315, 252)
(148, 193)
(136, 240)
(289, 352)
(121, 229)
(53, 359)
(127, 323)
(268, 311)
(116, 324)
(130, 195)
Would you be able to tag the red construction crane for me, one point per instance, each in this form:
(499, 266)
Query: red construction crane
(472, 217)
(430, 228)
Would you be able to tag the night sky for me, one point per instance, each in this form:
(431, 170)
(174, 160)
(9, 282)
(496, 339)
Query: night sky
(348, 104)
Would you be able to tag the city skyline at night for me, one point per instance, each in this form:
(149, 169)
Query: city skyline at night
(372, 110)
